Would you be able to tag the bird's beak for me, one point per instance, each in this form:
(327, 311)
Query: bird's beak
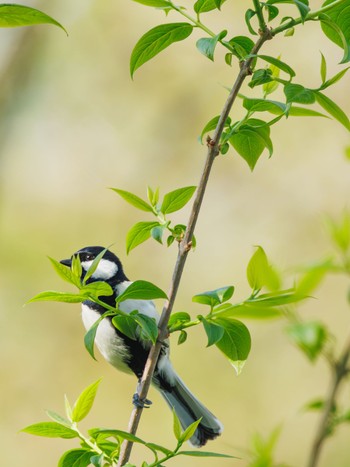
(66, 262)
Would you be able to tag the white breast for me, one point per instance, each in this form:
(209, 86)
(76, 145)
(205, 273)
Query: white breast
(107, 340)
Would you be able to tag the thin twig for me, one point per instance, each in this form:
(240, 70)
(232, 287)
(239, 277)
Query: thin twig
(340, 371)
(185, 246)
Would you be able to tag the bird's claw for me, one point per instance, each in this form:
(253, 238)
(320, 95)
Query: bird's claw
(141, 403)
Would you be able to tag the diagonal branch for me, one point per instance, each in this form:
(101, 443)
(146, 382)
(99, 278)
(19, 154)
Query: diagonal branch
(185, 245)
(340, 371)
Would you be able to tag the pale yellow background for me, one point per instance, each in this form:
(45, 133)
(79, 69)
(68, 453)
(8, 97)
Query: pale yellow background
(73, 124)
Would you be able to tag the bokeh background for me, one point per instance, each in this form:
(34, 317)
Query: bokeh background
(73, 124)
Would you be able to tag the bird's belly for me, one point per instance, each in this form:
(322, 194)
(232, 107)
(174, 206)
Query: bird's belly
(107, 340)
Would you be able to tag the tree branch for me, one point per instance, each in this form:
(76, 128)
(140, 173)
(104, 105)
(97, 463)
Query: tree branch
(340, 371)
(185, 245)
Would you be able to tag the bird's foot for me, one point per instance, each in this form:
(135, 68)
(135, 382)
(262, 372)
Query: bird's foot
(141, 403)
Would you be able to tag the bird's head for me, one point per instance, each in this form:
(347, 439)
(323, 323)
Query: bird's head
(109, 268)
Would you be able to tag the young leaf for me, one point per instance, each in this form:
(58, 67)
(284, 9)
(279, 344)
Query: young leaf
(249, 311)
(334, 79)
(333, 109)
(182, 337)
(65, 273)
(297, 93)
(235, 343)
(214, 331)
(76, 458)
(340, 232)
(279, 298)
(249, 144)
(203, 6)
(177, 319)
(279, 64)
(85, 402)
(242, 46)
(12, 15)
(134, 200)
(207, 45)
(248, 16)
(58, 418)
(138, 234)
(156, 40)
(118, 434)
(214, 297)
(176, 426)
(50, 430)
(157, 233)
(52, 296)
(263, 105)
(323, 69)
(258, 268)
(309, 337)
(94, 266)
(189, 432)
(177, 199)
(97, 289)
(89, 338)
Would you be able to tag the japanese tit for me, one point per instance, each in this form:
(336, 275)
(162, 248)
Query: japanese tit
(130, 355)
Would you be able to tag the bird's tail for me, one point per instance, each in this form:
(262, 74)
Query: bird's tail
(189, 409)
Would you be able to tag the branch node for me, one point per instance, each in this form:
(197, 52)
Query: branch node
(210, 142)
(188, 246)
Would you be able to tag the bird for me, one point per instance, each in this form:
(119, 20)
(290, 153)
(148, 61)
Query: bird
(130, 355)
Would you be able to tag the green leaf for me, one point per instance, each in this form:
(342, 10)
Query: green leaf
(58, 418)
(138, 234)
(249, 144)
(50, 430)
(204, 454)
(157, 233)
(212, 124)
(235, 343)
(134, 200)
(97, 289)
(214, 297)
(76, 458)
(263, 105)
(156, 40)
(176, 426)
(182, 337)
(242, 46)
(178, 319)
(126, 324)
(65, 273)
(203, 6)
(149, 327)
(141, 290)
(258, 268)
(153, 196)
(52, 296)
(340, 232)
(249, 14)
(297, 93)
(260, 77)
(85, 402)
(118, 434)
(279, 64)
(309, 337)
(214, 331)
(155, 3)
(89, 338)
(12, 15)
(249, 311)
(333, 109)
(312, 278)
(177, 199)
(279, 298)
(93, 266)
(189, 432)
(323, 69)
(334, 79)
(207, 45)
(336, 26)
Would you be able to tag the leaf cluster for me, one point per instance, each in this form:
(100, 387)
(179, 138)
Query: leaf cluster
(101, 448)
(172, 202)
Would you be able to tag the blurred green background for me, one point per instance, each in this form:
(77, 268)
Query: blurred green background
(73, 124)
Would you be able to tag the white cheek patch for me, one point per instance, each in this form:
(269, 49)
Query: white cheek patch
(105, 270)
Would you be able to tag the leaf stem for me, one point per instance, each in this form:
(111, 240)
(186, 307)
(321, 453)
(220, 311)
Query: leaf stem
(260, 15)
(186, 244)
(309, 17)
(340, 371)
